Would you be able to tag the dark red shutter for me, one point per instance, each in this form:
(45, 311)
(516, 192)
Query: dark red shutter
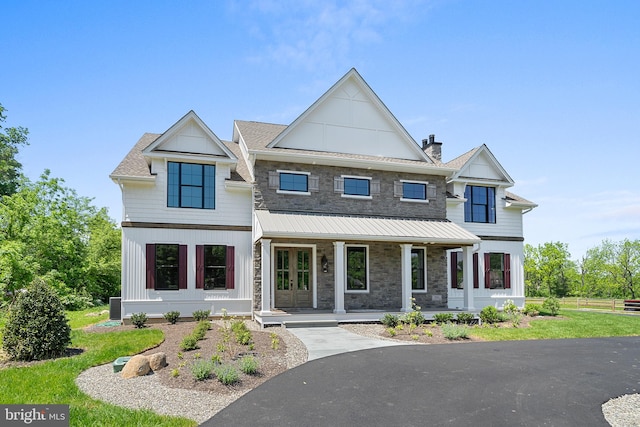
(151, 266)
(231, 271)
(487, 270)
(476, 283)
(182, 267)
(199, 266)
(454, 270)
(507, 271)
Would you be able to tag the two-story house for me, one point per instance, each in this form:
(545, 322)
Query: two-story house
(340, 213)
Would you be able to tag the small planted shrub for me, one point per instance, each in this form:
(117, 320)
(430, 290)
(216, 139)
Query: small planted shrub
(509, 307)
(390, 320)
(175, 372)
(489, 315)
(428, 333)
(226, 374)
(249, 365)
(551, 305)
(275, 341)
(36, 326)
(465, 318)
(413, 318)
(451, 331)
(531, 310)
(139, 320)
(172, 316)
(242, 332)
(392, 331)
(201, 370)
(442, 318)
(216, 359)
(201, 329)
(189, 343)
(199, 315)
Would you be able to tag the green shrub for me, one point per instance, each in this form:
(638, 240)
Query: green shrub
(242, 332)
(551, 305)
(465, 318)
(489, 314)
(390, 320)
(509, 307)
(76, 301)
(172, 316)
(451, 331)
(226, 374)
(201, 369)
(189, 343)
(249, 365)
(442, 318)
(200, 331)
(414, 317)
(36, 327)
(139, 319)
(199, 315)
(531, 310)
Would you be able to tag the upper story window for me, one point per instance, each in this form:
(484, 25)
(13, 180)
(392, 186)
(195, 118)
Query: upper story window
(191, 185)
(294, 182)
(357, 186)
(414, 191)
(480, 205)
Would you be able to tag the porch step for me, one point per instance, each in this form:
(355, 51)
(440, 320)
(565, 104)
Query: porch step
(310, 323)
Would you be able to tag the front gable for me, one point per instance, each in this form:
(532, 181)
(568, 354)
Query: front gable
(189, 136)
(482, 166)
(350, 119)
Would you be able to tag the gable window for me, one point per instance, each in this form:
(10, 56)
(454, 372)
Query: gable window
(215, 267)
(497, 271)
(166, 267)
(480, 205)
(418, 270)
(190, 185)
(357, 186)
(357, 268)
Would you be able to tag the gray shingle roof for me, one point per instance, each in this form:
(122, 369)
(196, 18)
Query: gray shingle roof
(134, 163)
(520, 200)
(242, 170)
(460, 161)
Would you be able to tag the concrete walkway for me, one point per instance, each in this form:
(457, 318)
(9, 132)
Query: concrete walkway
(327, 341)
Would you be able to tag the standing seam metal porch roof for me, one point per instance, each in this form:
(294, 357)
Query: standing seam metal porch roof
(295, 225)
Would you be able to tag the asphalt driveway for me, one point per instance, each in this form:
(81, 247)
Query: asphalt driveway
(515, 383)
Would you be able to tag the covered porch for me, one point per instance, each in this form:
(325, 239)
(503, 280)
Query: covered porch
(304, 266)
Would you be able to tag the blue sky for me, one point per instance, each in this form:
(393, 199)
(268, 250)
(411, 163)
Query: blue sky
(552, 87)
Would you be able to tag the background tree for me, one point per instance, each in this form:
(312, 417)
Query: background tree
(549, 270)
(612, 269)
(10, 168)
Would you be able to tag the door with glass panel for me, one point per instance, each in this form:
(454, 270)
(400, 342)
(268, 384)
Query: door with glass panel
(293, 278)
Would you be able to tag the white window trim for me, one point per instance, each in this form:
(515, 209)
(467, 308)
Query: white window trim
(355, 196)
(297, 193)
(426, 281)
(426, 184)
(346, 269)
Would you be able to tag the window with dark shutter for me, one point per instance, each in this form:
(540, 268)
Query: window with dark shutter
(166, 266)
(231, 271)
(151, 266)
(454, 270)
(507, 271)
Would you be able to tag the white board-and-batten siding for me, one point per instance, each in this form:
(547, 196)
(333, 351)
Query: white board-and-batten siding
(148, 203)
(136, 298)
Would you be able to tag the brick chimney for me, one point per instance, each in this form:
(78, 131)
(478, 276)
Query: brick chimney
(432, 147)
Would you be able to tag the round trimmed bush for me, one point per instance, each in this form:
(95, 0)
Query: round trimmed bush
(36, 327)
(489, 314)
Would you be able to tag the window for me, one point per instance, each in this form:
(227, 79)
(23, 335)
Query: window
(190, 185)
(215, 267)
(166, 267)
(497, 271)
(294, 182)
(357, 269)
(414, 191)
(480, 205)
(457, 270)
(356, 186)
(418, 271)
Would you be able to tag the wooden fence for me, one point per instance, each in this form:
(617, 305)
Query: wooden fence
(584, 303)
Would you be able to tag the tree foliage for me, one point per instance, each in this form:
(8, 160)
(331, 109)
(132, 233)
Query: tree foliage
(10, 168)
(47, 231)
(549, 270)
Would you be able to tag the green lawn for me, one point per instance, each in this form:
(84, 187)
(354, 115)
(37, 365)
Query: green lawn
(569, 324)
(53, 382)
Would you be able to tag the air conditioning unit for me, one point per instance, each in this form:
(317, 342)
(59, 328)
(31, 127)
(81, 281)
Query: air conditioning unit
(115, 308)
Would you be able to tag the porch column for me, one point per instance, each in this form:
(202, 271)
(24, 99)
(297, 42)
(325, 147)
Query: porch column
(467, 273)
(265, 277)
(339, 274)
(405, 263)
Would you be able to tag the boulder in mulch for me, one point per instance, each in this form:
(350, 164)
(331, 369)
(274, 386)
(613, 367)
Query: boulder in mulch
(137, 366)
(157, 361)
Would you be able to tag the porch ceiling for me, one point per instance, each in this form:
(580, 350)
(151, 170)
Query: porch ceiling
(336, 227)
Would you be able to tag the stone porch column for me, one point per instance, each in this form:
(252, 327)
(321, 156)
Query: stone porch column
(339, 274)
(265, 277)
(467, 273)
(405, 262)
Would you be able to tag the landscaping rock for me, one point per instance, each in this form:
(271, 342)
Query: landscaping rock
(137, 366)
(157, 361)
